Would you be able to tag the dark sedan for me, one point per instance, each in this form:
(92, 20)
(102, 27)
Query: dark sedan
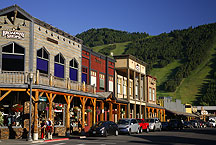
(104, 128)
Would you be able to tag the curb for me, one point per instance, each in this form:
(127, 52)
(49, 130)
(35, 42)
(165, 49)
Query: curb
(59, 139)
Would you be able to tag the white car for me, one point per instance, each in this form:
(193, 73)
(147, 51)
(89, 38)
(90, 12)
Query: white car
(154, 124)
(211, 123)
(128, 126)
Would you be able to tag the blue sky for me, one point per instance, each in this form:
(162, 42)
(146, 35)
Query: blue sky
(151, 16)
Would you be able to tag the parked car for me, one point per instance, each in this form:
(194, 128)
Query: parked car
(154, 124)
(104, 128)
(165, 125)
(128, 126)
(187, 124)
(144, 126)
(176, 124)
(211, 123)
(195, 123)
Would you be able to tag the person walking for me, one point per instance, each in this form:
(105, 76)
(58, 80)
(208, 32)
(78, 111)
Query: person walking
(49, 128)
(43, 129)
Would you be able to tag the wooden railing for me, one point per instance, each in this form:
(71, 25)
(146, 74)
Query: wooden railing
(15, 77)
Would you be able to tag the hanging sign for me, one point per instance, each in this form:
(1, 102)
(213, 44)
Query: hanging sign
(13, 34)
(43, 99)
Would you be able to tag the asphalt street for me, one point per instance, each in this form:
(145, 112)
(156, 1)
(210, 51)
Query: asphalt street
(197, 136)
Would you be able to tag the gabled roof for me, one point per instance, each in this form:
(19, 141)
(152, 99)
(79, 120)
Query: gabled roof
(23, 14)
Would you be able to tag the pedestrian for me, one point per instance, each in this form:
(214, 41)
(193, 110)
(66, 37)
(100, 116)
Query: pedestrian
(79, 126)
(49, 128)
(43, 129)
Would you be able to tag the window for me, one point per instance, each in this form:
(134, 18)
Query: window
(102, 78)
(111, 83)
(153, 94)
(13, 55)
(119, 85)
(150, 96)
(84, 74)
(93, 78)
(125, 87)
(42, 60)
(73, 70)
(59, 66)
(131, 88)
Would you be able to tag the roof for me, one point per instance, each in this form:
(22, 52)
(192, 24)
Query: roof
(182, 113)
(130, 57)
(97, 53)
(106, 95)
(23, 14)
(155, 106)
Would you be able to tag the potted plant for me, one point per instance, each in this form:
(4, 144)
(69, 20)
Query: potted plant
(76, 109)
(98, 111)
(88, 110)
(122, 112)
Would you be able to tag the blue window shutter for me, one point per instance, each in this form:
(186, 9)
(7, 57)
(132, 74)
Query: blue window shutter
(73, 74)
(59, 70)
(42, 64)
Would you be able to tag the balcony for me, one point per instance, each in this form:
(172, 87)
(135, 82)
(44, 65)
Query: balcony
(18, 77)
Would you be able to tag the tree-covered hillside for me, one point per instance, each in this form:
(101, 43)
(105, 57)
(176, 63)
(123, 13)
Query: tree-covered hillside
(189, 47)
(96, 37)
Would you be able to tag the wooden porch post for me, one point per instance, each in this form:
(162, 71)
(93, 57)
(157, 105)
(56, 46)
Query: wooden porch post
(102, 111)
(118, 111)
(164, 115)
(68, 99)
(110, 111)
(83, 102)
(153, 112)
(94, 110)
(161, 115)
(50, 98)
(125, 115)
(148, 112)
(157, 112)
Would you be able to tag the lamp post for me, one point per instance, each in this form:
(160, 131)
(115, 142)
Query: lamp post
(30, 103)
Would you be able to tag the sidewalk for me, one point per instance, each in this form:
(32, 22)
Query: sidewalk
(55, 139)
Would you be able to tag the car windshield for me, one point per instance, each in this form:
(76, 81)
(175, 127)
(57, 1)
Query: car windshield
(123, 122)
(150, 120)
(98, 124)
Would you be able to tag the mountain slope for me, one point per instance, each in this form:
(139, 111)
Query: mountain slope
(182, 60)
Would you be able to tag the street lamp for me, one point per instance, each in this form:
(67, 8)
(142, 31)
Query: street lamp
(30, 103)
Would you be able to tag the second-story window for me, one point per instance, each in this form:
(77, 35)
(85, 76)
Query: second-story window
(150, 94)
(43, 60)
(125, 87)
(13, 57)
(111, 83)
(102, 78)
(93, 78)
(59, 66)
(153, 94)
(73, 70)
(84, 74)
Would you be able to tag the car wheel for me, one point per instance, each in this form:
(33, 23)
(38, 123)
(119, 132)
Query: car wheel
(154, 129)
(160, 128)
(147, 130)
(105, 133)
(116, 133)
(129, 132)
(141, 130)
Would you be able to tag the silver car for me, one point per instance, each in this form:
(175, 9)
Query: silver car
(128, 126)
(154, 124)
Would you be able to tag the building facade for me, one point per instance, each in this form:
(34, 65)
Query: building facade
(131, 84)
(153, 110)
(43, 62)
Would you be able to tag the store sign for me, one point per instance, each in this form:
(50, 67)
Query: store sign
(13, 34)
(43, 99)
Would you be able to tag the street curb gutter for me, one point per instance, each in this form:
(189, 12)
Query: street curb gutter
(59, 139)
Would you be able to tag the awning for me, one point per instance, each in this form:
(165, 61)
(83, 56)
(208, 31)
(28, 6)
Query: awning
(182, 113)
(155, 106)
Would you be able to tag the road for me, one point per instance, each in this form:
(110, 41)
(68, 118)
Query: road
(188, 136)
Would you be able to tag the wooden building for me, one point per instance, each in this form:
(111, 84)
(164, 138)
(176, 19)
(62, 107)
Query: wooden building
(39, 58)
